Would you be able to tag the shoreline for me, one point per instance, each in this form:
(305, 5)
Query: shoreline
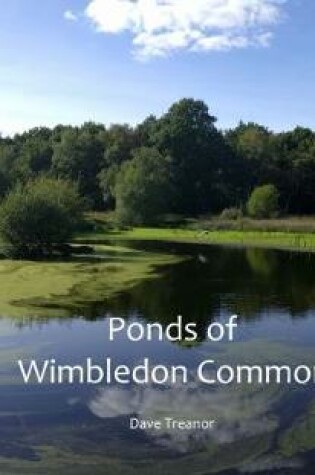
(277, 240)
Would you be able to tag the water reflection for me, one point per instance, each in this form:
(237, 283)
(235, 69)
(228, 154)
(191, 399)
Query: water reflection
(239, 413)
(207, 281)
(261, 419)
(248, 282)
(260, 429)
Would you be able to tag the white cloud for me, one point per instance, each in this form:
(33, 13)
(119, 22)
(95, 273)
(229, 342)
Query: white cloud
(70, 16)
(159, 27)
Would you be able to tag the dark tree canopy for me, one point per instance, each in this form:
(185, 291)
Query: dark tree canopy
(187, 134)
(208, 170)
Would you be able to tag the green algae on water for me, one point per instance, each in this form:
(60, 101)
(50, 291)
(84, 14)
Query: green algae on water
(67, 288)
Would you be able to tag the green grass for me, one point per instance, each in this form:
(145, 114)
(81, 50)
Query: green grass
(294, 233)
(266, 239)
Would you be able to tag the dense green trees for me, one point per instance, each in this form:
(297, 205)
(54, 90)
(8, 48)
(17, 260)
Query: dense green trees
(286, 160)
(207, 170)
(199, 156)
(38, 217)
(78, 156)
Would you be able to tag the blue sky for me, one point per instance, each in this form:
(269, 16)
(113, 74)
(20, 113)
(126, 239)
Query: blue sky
(69, 61)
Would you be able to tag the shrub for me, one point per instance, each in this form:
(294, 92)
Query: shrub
(38, 217)
(142, 188)
(263, 202)
(231, 213)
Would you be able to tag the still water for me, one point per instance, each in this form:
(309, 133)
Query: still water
(84, 429)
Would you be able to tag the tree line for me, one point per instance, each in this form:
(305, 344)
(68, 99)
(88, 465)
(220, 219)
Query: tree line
(178, 163)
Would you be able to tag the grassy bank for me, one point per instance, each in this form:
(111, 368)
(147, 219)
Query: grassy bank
(291, 233)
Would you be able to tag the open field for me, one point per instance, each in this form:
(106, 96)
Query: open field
(287, 233)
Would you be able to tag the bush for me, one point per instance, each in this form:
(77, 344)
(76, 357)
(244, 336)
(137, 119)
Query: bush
(142, 188)
(263, 202)
(37, 218)
(231, 214)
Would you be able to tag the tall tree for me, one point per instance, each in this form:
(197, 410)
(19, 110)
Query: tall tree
(187, 133)
(142, 188)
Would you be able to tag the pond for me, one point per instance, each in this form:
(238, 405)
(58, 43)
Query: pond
(84, 429)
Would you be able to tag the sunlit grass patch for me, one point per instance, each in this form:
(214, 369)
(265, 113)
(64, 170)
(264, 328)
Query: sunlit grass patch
(267, 239)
